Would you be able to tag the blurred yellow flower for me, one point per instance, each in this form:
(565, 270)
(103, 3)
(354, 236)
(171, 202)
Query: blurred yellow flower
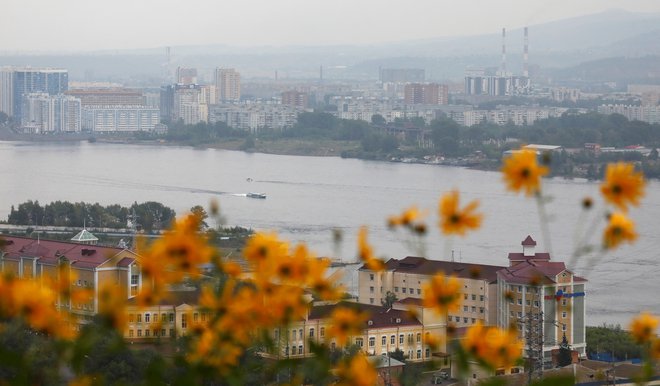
(622, 185)
(493, 346)
(406, 218)
(643, 327)
(522, 172)
(366, 252)
(457, 221)
(262, 246)
(442, 293)
(619, 229)
(344, 323)
(357, 372)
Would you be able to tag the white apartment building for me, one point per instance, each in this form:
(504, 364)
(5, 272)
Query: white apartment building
(43, 113)
(254, 117)
(106, 119)
(228, 85)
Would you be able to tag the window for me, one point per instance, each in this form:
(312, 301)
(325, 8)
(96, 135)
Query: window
(163, 317)
(134, 280)
(371, 276)
(564, 302)
(411, 290)
(171, 332)
(465, 320)
(139, 333)
(359, 342)
(519, 288)
(155, 332)
(300, 333)
(371, 289)
(474, 309)
(536, 303)
(139, 318)
(85, 282)
(396, 289)
(195, 317)
(401, 339)
(171, 316)
(512, 314)
(311, 332)
(563, 327)
(155, 318)
(371, 300)
(528, 303)
(563, 314)
(383, 340)
(300, 349)
(474, 297)
(372, 341)
(322, 332)
(520, 314)
(293, 350)
(474, 320)
(481, 298)
(333, 346)
(419, 354)
(419, 337)
(465, 308)
(130, 333)
(520, 302)
(392, 339)
(146, 317)
(403, 290)
(419, 291)
(203, 316)
(163, 332)
(131, 317)
(481, 310)
(294, 334)
(184, 321)
(465, 296)
(427, 353)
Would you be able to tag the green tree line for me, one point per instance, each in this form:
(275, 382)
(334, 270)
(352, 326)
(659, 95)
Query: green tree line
(149, 215)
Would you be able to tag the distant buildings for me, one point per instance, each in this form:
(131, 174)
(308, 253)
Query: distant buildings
(108, 96)
(649, 114)
(16, 83)
(186, 102)
(426, 94)
(255, 117)
(186, 75)
(110, 119)
(43, 113)
(228, 84)
(496, 85)
(295, 98)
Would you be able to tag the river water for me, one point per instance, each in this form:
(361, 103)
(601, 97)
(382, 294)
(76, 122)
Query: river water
(309, 197)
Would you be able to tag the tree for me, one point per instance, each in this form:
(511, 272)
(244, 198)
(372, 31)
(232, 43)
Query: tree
(565, 357)
(199, 212)
(389, 299)
(377, 120)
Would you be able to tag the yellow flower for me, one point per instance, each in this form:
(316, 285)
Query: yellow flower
(453, 219)
(357, 372)
(522, 172)
(619, 229)
(366, 252)
(345, 322)
(622, 185)
(442, 293)
(262, 246)
(643, 327)
(406, 218)
(493, 346)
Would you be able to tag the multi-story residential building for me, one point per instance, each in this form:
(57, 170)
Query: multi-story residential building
(405, 278)
(91, 266)
(119, 118)
(108, 96)
(228, 84)
(186, 75)
(535, 288)
(428, 94)
(172, 317)
(254, 117)
(43, 113)
(15, 83)
(649, 114)
(295, 98)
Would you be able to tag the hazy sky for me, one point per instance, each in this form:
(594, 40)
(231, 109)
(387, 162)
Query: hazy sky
(115, 24)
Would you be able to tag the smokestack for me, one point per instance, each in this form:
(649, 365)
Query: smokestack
(503, 51)
(526, 55)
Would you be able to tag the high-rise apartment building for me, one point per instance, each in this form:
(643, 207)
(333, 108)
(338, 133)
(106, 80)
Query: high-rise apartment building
(295, 98)
(228, 84)
(44, 113)
(186, 75)
(108, 96)
(15, 83)
(427, 94)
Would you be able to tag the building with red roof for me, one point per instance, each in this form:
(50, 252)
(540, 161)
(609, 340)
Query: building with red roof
(534, 287)
(87, 266)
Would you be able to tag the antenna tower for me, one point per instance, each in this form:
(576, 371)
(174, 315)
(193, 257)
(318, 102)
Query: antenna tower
(532, 324)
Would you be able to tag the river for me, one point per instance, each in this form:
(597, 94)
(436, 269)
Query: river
(309, 197)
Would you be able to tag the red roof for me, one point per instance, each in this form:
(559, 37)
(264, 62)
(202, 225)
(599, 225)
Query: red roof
(542, 272)
(517, 256)
(49, 252)
(529, 242)
(379, 316)
(424, 266)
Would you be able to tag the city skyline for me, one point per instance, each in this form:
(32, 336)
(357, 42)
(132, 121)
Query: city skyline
(65, 27)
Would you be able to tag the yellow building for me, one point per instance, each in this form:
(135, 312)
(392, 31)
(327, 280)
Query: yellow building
(544, 298)
(88, 266)
(385, 330)
(405, 278)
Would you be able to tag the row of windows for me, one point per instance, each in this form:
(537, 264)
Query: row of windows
(527, 302)
(147, 333)
(474, 297)
(295, 334)
(473, 309)
(465, 320)
(148, 317)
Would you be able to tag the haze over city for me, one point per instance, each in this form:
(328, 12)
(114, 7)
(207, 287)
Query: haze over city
(82, 25)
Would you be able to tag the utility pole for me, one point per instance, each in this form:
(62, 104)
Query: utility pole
(532, 323)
